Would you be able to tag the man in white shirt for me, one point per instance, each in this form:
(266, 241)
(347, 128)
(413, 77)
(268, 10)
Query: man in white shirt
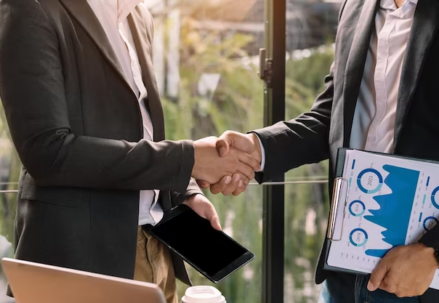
(381, 95)
(82, 104)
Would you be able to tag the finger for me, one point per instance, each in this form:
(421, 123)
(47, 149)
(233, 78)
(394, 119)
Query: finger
(215, 222)
(246, 170)
(377, 276)
(238, 141)
(223, 147)
(249, 160)
(221, 185)
(236, 178)
(242, 186)
(213, 218)
(388, 284)
(203, 184)
(239, 190)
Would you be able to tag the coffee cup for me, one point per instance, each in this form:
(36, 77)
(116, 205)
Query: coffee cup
(203, 294)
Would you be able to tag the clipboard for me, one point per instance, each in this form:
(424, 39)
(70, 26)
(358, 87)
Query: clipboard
(338, 202)
(340, 199)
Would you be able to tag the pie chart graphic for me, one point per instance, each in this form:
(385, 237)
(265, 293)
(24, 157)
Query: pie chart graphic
(358, 237)
(429, 223)
(370, 181)
(357, 208)
(433, 197)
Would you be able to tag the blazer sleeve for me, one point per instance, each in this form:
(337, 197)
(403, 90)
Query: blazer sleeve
(299, 141)
(32, 92)
(303, 140)
(179, 198)
(431, 238)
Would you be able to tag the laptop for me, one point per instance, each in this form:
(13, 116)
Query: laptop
(38, 283)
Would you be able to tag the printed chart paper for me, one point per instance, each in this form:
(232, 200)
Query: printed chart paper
(390, 202)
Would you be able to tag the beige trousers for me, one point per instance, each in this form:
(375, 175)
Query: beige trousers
(154, 265)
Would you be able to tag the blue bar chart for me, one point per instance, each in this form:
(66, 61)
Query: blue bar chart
(396, 205)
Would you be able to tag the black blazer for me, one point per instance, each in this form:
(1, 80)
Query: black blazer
(316, 135)
(76, 125)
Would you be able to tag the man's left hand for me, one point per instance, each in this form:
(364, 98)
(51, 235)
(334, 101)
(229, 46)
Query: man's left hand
(406, 271)
(202, 206)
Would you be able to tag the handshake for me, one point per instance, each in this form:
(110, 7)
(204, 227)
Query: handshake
(227, 164)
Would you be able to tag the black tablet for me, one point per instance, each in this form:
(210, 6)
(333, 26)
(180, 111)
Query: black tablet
(211, 252)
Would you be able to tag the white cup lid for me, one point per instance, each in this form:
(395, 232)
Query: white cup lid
(203, 294)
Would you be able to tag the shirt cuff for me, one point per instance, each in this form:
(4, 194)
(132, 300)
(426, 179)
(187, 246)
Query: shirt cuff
(262, 154)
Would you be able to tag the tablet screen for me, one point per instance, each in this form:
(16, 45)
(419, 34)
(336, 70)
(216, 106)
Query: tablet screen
(195, 239)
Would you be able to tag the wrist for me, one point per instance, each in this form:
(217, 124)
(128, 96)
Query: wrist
(191, 198)
(196, 155)
(257, 145)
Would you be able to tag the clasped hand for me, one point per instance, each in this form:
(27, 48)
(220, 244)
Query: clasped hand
(406, 271)
(227, 164)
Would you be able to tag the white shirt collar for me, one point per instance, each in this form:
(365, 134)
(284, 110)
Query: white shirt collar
(125, 7)
(390, 4)
(407, 10)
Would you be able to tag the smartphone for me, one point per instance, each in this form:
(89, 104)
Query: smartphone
(211, 252)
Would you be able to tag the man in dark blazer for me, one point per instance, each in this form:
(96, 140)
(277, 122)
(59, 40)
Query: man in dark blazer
(382, 95)
(90, 146)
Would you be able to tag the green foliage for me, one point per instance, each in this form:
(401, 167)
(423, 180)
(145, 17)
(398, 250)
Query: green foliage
(237, 104)
(9, 174)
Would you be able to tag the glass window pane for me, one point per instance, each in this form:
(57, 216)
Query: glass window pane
(206, 62)
(7, 217)
(9, 161)
(9, 173)
(311, 28)
(241, 218)
(306, 210)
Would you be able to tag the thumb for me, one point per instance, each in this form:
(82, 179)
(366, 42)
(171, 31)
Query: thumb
(203, 184)
(237, 140)
(215, 222)
(377, 276)
(211, 215)
(223, 147)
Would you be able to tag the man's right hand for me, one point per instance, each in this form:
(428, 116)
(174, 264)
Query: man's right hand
(247, 143)
(210, 167)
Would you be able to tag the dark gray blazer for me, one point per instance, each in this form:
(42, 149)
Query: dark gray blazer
(76, 125)
(316, 135)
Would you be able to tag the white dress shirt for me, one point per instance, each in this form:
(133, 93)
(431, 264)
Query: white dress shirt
(374, 119)
(112, 14)
(373, 126)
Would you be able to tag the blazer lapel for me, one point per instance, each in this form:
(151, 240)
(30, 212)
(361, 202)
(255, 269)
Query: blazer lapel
(144, 50)
(84, 15)
(424, 29)
(355, 63)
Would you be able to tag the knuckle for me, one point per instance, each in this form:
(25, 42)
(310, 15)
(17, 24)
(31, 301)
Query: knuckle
(227, 133)
(215, 190)
(385, 285)
(401, 294)
(227, 191)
